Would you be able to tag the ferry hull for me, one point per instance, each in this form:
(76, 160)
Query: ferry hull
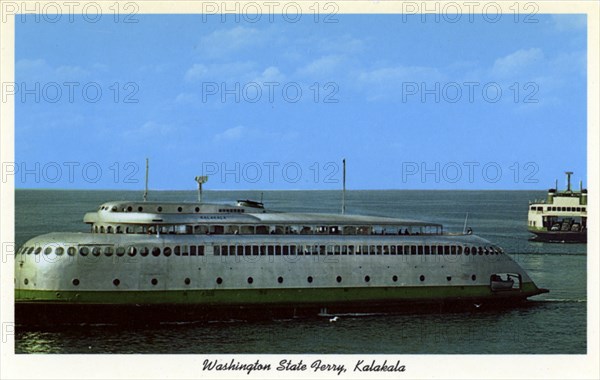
(559, 236)
(42, 307)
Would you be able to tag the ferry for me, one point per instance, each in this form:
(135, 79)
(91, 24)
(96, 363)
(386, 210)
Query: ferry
(562, 217)
(144, 260)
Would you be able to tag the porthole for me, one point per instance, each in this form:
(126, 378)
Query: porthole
(197, 209)
(140, 209)
(395, 278)
(144, 251)
(422, 278)
(167, 251)
(219, 280)
(250, 280)
(120, 251)
(473, 277)
(132, 251)
(159, 209)
(59, 251)
(30, 251)
(84, 251)
(108, 251)
(280, 279)
(116, 282)
(179, 209)
(75, 281)
(155, 251)
(129, 208)
(71, 251)
(114, 208)
(338, 278)
(26, 281)
(48, 250)
(367, 279)
(449, 278)
(187, 281)
(38, 250)
(96, 251)
(154, 282)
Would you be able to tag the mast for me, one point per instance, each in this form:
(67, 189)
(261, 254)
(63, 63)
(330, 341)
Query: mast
(200, 179)
(344, 186)
(568, 180)
(146, 189)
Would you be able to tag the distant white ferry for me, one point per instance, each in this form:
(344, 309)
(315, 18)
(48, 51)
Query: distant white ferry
(562, 217)
(172, 260)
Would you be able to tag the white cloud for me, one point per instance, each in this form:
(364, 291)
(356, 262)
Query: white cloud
(325, 65)
(224, 42)
(270, 74)
(196, 72)
(231, 71)
(518, 61)
(150, 129)
(232, 134)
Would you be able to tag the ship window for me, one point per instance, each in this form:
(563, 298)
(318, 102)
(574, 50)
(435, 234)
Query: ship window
(38, 250)
(280, 279)
(129, 208)
(427, 250)
(277, 250)
(194, 250)
(167, 251)
(120, 251)
(159, 209)
(309, 279)
(422, 278)
(568, 208)
(255, 251)
(75, 282)
(286, 250)
(293, 250)
(144, 251)
(371, 250)
(338, 279)
(379, 249)
(446, 250)
(473, 277)
(344, 249)
(413, 249)
(119, 230)
(177, 250)
(240, 250)
(200, 250)
(367, 278)
(453, 250)
(563, 208)
(250, 280)
(420, 249)
(187, 281)
(60, 251)
(216, 250)
(480, 250)
(351, 250)
(48, 250)
(336, 250)
(459, 250)
(116, 282)
(467, 251)
(322, 250)
(271, 250)
(155, 251)
(486, 251)
(399, 250)
(364, 250)
(197, 209)
(154, 282)
(30, 250)
(577, 208)
(140, 209)
(132, 251)
(448, 278)
(583, 209)
(96, 251)
(219, 280)
(394, 278)
(263, 250)
(179, 209)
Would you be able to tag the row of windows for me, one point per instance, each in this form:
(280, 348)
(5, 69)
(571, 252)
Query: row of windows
(269, 250)
(192, 250)
(250, 280)
(141, 209)
(205, 229)
(556, 208)
(306, 250)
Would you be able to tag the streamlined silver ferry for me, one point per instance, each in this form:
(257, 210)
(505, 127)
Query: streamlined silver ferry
(562, 217)
(176, 259)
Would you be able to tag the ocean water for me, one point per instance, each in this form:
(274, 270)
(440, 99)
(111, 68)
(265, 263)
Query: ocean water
(553, 323)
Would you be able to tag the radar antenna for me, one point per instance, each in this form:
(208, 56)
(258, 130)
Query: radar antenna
(201, 180)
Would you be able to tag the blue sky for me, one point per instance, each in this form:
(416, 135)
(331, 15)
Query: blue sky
(277, 105)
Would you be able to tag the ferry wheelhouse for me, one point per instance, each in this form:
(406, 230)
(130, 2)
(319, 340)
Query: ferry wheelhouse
(562, 217)
(196, 259)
